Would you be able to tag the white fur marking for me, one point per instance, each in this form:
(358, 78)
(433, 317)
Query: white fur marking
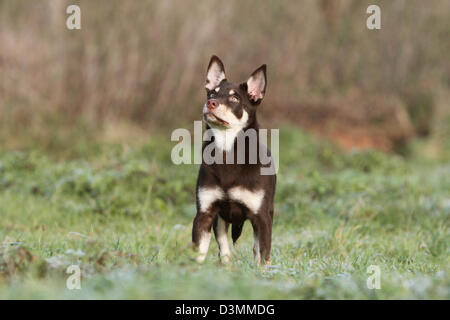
(217, 89)
(231, 92)
(251, 199)
(207, 196)
(222, 240)
(203, 246)
(224, 137)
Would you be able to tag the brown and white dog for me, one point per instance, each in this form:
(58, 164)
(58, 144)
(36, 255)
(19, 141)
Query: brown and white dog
(231, 193)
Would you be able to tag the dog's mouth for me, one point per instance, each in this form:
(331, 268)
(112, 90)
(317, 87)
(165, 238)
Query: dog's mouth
(212, 118)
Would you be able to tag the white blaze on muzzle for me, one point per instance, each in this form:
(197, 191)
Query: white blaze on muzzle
(225, 134)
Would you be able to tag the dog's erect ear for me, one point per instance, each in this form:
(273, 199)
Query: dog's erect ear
(215, 73)
(256, 84)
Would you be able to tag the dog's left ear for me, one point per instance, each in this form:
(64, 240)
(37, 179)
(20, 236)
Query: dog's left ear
(256, 84)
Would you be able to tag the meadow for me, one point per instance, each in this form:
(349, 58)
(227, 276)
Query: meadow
(86, 177)
(123, 212)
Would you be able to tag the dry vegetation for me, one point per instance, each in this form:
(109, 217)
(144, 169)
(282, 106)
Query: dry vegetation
(83, 182)
(144, 61)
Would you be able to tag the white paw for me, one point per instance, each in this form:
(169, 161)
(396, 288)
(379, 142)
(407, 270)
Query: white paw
(225, 259)
(201, 258)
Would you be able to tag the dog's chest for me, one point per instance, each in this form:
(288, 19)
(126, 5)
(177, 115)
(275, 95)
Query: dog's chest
(227, 176)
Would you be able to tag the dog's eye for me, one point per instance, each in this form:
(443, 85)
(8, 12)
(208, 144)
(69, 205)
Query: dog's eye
(233, 99)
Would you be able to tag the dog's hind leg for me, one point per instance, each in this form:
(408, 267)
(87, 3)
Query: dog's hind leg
(262, 235)
(221, 233)
(236, 230)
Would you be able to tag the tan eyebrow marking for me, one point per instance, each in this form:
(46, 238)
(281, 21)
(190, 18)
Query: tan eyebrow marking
(231, 92)
(217, 89)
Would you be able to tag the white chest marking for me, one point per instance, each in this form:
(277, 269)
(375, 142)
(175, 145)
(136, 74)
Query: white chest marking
(224, 139)
(208, 195)
(251, 199)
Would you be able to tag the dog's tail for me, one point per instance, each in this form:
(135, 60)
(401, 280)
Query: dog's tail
(236, 230)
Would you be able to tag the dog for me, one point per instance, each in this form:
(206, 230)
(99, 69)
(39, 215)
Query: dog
(231, 193)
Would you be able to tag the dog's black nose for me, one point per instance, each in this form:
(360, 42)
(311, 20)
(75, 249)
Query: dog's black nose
(212, 104)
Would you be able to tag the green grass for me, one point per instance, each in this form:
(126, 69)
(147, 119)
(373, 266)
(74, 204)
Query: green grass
(124, 214)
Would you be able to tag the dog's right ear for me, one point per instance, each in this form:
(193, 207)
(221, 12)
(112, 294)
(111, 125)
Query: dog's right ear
(215, 73)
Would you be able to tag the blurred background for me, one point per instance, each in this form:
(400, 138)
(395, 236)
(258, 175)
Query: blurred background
(86, 175)
(138, 67)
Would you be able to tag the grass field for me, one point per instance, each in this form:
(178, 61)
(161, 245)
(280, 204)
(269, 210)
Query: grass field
(124, 215)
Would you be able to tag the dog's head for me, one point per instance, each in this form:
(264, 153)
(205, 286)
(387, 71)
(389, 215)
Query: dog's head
(232, 105)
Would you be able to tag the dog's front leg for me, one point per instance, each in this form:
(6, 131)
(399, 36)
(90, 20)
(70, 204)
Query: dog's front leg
(201, 233)
(220, 227)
